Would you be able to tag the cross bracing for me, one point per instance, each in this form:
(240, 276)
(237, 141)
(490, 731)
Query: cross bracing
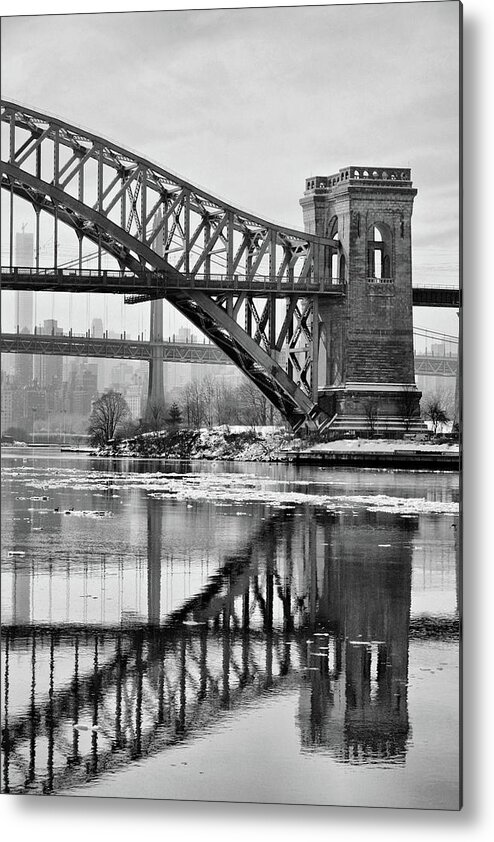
(155, 224)
(121, 349)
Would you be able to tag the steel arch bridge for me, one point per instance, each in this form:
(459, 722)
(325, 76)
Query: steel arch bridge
(166, 237)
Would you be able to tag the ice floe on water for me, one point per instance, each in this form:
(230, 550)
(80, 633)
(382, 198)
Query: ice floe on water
(226, 489)
(84, 513)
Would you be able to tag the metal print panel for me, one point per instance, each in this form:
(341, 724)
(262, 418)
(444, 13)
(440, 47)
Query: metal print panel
(230, 445)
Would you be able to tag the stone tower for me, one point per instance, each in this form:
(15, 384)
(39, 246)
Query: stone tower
(366, 363)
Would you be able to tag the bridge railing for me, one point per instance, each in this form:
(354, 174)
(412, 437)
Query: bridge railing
(374, 280)
(435, 286)
(165, 280)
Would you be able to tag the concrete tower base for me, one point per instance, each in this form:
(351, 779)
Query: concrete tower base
(376, 409)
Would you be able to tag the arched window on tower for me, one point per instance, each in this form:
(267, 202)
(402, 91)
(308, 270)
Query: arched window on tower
(334, 258)
(337, 258)
(342, 269)
(379, 252)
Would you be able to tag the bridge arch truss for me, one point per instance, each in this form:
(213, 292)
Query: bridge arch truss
(250, 285)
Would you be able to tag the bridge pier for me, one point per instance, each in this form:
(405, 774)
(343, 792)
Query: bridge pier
(156, 387)
(366, 363)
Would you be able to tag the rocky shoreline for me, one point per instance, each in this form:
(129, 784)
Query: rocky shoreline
(261, 444)
(275, 444)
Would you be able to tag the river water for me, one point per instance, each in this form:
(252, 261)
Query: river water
(229, 632)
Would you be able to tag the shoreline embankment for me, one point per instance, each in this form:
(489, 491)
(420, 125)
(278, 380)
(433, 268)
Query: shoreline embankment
(274, 444)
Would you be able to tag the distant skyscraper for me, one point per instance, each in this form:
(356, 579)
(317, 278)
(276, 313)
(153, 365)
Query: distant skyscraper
(48, 369)
(97, 328)
(84, 388)
(24, 246)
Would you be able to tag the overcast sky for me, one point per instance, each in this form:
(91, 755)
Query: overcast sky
(250, 102)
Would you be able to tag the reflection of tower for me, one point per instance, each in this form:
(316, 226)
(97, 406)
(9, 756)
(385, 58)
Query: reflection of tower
(156, 389)
(24, 308)
(22, 576)
(21, 596)
(355, 699)
(155, 512)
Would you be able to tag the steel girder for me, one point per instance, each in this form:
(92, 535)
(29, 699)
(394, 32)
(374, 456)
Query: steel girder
(437, 297)
(173, 352)
(124, 349)
(132, 209)
(148, 283)
(436, 366)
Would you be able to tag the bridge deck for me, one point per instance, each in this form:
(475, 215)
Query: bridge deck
(103, 347)
(150, 284)
(436, 296)
(172, 351)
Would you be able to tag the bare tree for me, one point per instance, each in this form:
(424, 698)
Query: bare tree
(155, 418)
(435, 412)
(254, 406)
(109, 413)
(371, 413)
(212, 401)
(129, 427)
(227, 404)
(408, 409)
(193, 404)
(208, 388)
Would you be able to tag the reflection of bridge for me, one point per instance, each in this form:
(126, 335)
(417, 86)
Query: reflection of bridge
(302, 604)
(132, 694)
(320, 320)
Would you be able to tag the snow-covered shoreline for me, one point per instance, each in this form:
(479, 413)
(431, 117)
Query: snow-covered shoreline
(246, 444)
(265, 444)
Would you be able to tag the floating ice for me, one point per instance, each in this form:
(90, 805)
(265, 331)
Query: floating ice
(75, 513)
(230, 489)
